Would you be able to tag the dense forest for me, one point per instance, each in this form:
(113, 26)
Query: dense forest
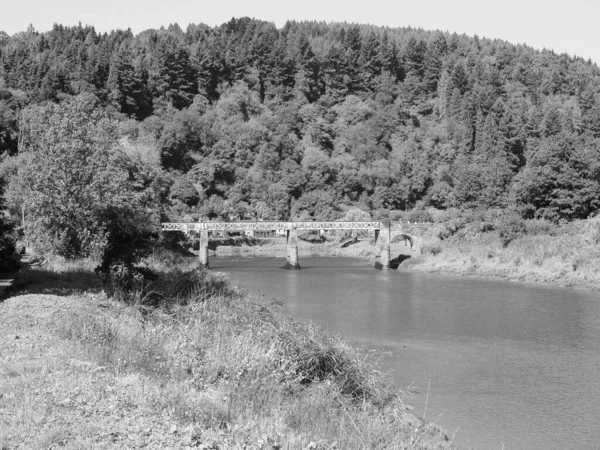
(247, 121)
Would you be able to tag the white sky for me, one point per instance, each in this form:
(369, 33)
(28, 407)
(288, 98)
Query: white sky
(563, 26)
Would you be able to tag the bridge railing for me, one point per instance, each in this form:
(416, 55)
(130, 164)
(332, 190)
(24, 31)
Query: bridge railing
(269, 226)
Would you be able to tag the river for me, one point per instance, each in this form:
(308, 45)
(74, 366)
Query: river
(498, 364)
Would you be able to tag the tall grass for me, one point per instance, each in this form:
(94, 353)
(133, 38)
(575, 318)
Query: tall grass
(566, 255)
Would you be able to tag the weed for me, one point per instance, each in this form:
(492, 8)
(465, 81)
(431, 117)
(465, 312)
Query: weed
(522, 250)
(431, 249)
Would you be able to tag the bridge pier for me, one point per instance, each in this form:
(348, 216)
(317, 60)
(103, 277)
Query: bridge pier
(203, 248)
(383, 238)
(291, 249)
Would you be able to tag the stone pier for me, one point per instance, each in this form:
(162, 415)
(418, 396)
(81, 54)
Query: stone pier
(383, 239)
(292, 250)
(203, 248)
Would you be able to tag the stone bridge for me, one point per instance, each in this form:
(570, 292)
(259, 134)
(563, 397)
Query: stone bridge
(382, 230)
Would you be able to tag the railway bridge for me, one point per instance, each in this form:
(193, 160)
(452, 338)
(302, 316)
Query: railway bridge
(382, 234)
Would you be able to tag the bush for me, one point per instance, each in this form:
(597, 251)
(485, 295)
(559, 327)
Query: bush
(511, 228)
(10, 259)
(130, 233)
(419, 216)
(312, 238)
(486, 227)
(450, 229)
(540, 227)
(431, 249)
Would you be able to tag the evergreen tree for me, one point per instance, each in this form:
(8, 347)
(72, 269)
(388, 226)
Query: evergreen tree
(126, 89)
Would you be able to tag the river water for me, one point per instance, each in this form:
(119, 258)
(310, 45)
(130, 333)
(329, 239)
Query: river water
(498, 364)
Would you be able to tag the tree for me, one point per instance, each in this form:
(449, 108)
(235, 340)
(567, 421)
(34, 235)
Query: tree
(562, 180)
(127, 91)
(173, 78)
(75, 186)
(9, 259)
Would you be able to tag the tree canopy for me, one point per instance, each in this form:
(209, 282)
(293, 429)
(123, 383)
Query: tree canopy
(78, 190)
(244, 120)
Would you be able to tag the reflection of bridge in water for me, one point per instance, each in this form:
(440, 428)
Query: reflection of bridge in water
(382, 234)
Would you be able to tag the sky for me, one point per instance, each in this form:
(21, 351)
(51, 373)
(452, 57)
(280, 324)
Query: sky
(563, 26)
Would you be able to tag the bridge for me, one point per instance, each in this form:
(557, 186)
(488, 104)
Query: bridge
(382, 234)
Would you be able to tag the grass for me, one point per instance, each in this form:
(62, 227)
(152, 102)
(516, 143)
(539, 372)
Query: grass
(187, 361)
(58, 277)
(566, 256)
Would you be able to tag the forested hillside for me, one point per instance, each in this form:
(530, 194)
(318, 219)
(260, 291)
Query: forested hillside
(247, 121)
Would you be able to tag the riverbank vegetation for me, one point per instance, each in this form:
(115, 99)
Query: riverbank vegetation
(505, 246)
(185, 361)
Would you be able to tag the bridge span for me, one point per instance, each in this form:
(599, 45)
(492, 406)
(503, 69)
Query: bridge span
(382, 234)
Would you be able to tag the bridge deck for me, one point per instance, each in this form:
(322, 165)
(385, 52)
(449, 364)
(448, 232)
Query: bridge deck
(269, 226)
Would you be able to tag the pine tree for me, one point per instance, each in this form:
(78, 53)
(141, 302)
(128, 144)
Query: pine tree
(173, 77)
(126, 89)
(434, 60)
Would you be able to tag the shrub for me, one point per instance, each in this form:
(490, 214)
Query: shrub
(510, 229)
(9, 258)
(450, 229)
(540, 226)
(434, 249)
(486, 227)
(312, 238)
(82, 195)
(129, 235)
(419, 216)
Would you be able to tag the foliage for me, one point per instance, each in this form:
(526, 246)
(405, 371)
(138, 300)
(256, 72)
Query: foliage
(419, 217)
(9, 258)
(510, 229)
(81, 195)
(251, 121)
(128, 238)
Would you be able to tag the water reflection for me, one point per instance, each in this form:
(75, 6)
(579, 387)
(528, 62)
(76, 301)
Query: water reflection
(509, 363)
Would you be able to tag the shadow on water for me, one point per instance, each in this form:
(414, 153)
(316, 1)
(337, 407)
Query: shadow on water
(394, 263)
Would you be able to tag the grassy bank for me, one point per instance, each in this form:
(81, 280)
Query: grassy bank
(538, 252)
(187, 361)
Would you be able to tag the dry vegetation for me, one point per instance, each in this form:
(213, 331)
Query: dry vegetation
(187, 361)
(566, 255)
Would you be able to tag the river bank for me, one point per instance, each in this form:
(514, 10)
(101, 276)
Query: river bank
(566, 256)
(189, 361)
